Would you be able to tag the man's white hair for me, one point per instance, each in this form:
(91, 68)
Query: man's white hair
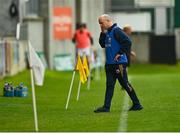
(106, 16)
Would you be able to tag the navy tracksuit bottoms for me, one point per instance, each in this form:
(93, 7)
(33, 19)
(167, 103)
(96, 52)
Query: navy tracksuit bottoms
(119, 72)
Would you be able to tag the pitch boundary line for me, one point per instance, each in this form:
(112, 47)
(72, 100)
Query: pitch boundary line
(124, 113)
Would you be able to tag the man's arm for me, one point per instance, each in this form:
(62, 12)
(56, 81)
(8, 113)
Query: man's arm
(74, 38)
(124, 40)
(102, 39)
(91, 40)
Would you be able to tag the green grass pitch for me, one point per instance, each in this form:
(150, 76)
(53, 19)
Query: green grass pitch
(157, 86)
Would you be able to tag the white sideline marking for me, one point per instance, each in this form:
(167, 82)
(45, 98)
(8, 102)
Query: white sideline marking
(124, 112)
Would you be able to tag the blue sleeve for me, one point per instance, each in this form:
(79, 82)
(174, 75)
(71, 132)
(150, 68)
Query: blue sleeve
(102, 39)
(123, 39)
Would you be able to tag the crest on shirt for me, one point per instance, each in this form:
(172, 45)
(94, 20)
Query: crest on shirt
(108, 44)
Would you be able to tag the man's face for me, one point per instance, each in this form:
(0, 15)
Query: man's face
(103, 23)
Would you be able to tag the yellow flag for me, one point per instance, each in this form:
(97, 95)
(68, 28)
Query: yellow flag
(85, 64)
(80, 68)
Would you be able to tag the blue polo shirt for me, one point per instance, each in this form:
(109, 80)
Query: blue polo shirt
(114, 46)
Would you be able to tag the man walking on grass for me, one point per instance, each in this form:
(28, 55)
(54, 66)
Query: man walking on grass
(116, 44)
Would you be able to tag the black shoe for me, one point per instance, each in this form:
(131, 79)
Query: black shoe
(136, 107)
(101, 109)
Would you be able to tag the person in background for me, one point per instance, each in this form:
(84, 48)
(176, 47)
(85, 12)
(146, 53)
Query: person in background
(116, 43)
(83, 41)
(130, 54)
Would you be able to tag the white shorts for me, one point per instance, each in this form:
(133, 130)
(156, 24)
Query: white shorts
(83, 51)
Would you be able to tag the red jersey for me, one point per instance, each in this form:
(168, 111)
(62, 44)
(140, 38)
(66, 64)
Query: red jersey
(82, 38)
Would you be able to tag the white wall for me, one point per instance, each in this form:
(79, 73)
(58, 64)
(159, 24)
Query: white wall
(59, 46)
(91, 10)
(35, 33)
(140, 45)
(140, 21)
(160, 21)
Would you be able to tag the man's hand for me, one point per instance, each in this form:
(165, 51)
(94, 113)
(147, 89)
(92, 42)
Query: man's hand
(103, 30)
(117, 57)
(133, 56)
